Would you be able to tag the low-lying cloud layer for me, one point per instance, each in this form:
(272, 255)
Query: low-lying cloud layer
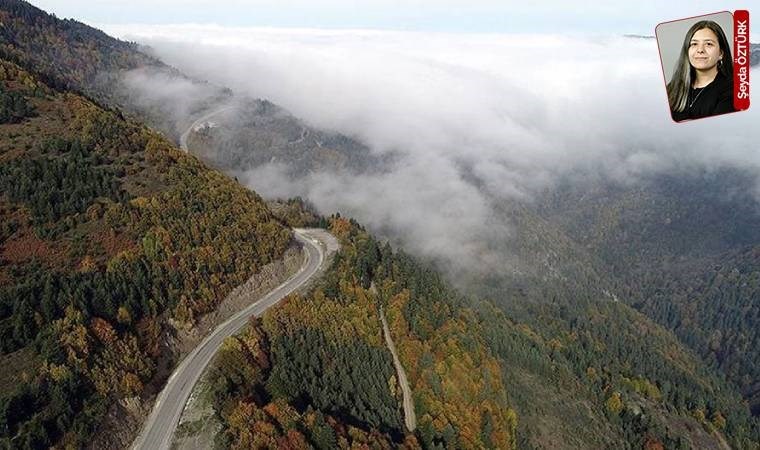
(478, 118)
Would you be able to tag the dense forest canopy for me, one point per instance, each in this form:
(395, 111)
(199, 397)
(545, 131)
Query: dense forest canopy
(108, 233)
(590, 375)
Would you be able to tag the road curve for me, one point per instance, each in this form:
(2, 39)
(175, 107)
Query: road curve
(186, 134)
(159, 428)
(410, 419)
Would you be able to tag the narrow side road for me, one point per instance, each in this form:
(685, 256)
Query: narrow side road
(159, 428)
(410, 419)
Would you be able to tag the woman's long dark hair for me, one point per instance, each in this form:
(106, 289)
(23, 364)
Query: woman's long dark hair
(684, 73)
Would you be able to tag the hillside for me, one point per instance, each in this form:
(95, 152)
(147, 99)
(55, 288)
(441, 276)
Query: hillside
(566, 305)
(66, 54)
(113, 241)
(69, 55)
(322, 357)
(680, 251)
(256, 132)
(110, 239)
(685, 247)
(73, 56)
(597, 375)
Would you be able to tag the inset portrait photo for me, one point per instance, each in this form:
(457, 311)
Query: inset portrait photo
(698, 65)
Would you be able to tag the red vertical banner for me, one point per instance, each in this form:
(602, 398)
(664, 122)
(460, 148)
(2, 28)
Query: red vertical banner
(741, 59)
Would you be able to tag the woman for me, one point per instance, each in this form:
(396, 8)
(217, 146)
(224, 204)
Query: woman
(702, 83)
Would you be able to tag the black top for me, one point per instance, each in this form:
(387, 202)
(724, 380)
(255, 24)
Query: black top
(715, 98)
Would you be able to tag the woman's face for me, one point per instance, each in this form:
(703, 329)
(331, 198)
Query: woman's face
(704, 50)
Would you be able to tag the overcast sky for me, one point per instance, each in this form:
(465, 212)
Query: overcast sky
(550, 16)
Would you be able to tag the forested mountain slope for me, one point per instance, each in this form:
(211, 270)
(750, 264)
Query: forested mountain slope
(258, 132)
(110, 237)
(593, 374)
(70, 55)
(108, 234)
(65, 53)
(119, 74)
(685, 248)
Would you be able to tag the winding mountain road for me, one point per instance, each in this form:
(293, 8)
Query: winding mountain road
(160, 426)
(196, 124)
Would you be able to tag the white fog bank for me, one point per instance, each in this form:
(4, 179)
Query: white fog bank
(513, 112)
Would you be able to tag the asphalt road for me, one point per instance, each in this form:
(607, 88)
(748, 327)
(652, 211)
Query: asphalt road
(159, 428)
